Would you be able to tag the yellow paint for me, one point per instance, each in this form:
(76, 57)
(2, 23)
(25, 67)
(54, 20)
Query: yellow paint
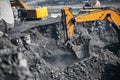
(69, 25)
(20, 4)
(41, 12)
(100, 15)
(23, 5)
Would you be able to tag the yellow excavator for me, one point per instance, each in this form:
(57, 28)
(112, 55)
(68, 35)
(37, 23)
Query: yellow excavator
(91, 14)
(68, 19)
(26, 12)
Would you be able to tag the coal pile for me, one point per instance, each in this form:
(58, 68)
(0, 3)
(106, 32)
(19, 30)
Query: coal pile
(93, 69)
(13, 64)
(45, 59)
(44, 56)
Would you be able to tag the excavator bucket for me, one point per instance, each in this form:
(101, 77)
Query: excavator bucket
(6, 14)
(77, 50)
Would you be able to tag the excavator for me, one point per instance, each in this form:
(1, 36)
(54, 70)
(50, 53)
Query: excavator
(24, 12)
(68, 19)
(33, 15)
(95, 14)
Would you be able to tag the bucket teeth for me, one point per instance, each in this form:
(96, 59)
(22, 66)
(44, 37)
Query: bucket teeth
(78, 50)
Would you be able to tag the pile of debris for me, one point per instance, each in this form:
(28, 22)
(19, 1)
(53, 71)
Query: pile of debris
(14, 65)
(40, 54)
(43, 59)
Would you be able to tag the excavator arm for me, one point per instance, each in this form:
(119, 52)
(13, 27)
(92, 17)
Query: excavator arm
(19, 3)
(98, 14)
(91, 14)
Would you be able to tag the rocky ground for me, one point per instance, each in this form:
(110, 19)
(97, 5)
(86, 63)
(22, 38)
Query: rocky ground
(45, 58)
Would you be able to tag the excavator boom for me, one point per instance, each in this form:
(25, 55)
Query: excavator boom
(19, 3)
(106, 14)
(95, 14)
(98, 14)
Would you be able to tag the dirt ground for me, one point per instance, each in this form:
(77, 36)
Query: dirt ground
(46, 58)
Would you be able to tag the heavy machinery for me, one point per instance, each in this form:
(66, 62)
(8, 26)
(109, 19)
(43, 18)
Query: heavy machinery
(25, 12)
(102, 13)
(68, 19)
